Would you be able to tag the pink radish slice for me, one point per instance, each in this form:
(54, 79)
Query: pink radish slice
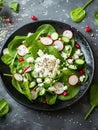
(5, 51)
(59, 45)
(18, 77)
(46, 41)
(27, 69)
(73, 80)
(68, 34)
(22, 50)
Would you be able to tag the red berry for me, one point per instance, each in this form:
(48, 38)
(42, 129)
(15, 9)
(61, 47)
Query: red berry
(65, 93)
(81, 72)
(33, 17)
(8, 20)
(21, 59)
(48, 36)
(87, 29)
(77, 45)
(70, 57)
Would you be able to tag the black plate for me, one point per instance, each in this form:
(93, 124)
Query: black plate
(60, 27)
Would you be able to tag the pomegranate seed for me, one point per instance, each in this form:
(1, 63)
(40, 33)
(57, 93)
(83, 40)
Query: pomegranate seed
(33, 17)
(21, 59)
(70, 57)
(77, 45)
(87, 29)
(65, 93)
(48, 36)
(81, 72)
(8, 20)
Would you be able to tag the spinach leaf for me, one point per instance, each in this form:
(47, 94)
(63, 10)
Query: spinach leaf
(72, 92)
(78, 14)
(93, 99)
(14, 6)
(4, 107)
(12, 46)
(18, 85)
(35, 47)
(22, 87)
(1, 4)
(7, 59)
(26, 90)
(53, 51)
(51, 98)
(46, 28)
(96, 17)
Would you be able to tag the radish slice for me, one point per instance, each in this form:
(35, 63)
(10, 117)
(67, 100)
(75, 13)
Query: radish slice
(27, 69)
(18, 77)
(59, 45)
(59, 88)
(46, 41)
(68, 34)
(73, 80)
(22, 50)
(5, 51)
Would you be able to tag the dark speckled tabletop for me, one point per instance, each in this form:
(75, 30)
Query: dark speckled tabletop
(71, 118)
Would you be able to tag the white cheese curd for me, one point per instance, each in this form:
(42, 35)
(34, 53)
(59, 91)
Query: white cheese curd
(39, 80)
(67, 48)
(70, 61)
(47, 66)
(40, 84)
(65, 87)
(30, 60)
(81, 78)
(52, 88)
(75, 56)
(64, 55)
(78, 52)
(20, 71)
(40, 53)
(29, 34)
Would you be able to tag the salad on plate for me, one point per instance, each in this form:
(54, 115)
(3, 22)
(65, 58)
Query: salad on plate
(46, 66)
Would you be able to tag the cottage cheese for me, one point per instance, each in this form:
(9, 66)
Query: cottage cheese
(47, 66)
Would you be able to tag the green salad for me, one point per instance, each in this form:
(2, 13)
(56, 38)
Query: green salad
(46, 66)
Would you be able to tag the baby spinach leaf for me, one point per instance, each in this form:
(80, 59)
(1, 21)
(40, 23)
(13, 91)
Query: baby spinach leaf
(7, 59)
(78, 14)
(12, 46)
(14, 6)
(4, 107)
(51, 98)
(1, 4)
(47, 29)
(93, 99)
(26, 90)
(96, 17)
(72, 92)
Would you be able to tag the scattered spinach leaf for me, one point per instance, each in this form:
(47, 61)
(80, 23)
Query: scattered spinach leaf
(93, 99)
(14, 6)
(96, 17)
(1, 4)
(4, 107)
(47, 29)
(78, 14)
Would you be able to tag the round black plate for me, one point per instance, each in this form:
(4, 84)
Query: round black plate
(60, 27)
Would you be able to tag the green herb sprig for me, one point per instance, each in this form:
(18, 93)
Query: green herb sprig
(93, 99)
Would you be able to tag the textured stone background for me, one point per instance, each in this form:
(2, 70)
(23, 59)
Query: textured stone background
(71, 118)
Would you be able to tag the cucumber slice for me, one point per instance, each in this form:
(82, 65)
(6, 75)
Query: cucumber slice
(79, 62)
(54, 36)
(42, 91)
(72, 67)
(65, 39)
(68, 50)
